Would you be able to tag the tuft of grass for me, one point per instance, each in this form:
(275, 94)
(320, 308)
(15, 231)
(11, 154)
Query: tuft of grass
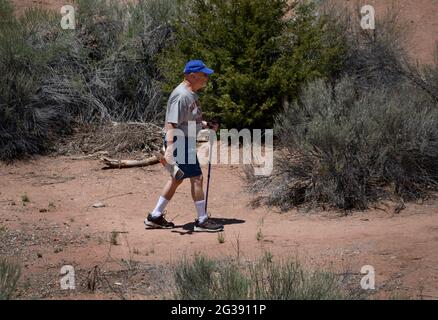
(220, 237)
(268, 256)
(194, 279)
(259, 235)
(57, 250)
(114, 238)
(9, 275)
(25, 198)
(100, 240)
(206, 279)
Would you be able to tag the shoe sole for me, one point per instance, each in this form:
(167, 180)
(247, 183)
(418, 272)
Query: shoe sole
(153, 225)
(199, 229)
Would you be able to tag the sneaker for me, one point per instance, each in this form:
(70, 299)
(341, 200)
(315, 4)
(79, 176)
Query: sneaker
(158, 223)
(208, 226)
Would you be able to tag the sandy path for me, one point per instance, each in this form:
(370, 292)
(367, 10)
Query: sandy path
(402, 248)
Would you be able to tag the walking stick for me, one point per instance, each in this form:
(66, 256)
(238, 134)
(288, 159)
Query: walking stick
(209, 173)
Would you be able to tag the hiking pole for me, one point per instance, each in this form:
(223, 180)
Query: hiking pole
(209, 173)
(209, 163)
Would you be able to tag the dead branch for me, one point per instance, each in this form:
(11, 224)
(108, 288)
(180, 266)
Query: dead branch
(89, 156)
(119, 164)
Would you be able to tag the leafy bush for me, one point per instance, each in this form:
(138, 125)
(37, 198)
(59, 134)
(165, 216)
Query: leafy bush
(118, 79)
(345, 148)
(104, 70)
(28, 47)
(367, 134)
(262, 51)
(206, 279)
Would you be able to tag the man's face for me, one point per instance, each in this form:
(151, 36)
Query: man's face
(200, 79)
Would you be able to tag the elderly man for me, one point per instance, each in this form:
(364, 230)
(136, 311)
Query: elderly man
(184, 112)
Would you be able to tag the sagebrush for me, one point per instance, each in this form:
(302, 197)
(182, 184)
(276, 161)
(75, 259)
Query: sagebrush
(206, 279)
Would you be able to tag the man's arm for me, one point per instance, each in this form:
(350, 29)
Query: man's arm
(170, 127)
(168, 154)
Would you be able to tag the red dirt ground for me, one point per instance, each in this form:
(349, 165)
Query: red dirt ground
(59, 226)
(401, 247)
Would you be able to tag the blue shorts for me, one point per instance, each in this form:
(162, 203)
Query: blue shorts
(190, 169)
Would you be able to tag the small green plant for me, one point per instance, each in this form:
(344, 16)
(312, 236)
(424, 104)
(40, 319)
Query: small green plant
(259, 235)
(25, 198)
(221, 237)
(268, 256)
(194, 279)
(114, 237)
(58, 250)
(9, 275)
(51, 205)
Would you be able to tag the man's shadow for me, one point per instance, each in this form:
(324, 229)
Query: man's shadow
(188, 227)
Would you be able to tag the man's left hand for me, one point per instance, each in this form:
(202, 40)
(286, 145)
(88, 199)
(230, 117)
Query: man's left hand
(211, 125)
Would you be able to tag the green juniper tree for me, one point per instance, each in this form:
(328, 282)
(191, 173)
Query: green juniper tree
(261, 50)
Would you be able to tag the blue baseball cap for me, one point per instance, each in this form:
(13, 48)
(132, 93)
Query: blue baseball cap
(197, 66)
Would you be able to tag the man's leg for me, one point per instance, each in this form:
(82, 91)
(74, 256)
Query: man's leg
(203, 224)
(166, 195)
(198, 197)
(156, 218)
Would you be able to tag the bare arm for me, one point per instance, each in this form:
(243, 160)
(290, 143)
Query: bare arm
(168, 154)
(170, 127)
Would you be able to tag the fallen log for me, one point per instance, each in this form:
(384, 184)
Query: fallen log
(118, 164)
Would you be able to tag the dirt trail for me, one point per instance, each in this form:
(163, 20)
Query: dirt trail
(59, 226)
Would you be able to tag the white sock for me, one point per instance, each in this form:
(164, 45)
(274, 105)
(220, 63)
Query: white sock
(200, 207)
(161, 205)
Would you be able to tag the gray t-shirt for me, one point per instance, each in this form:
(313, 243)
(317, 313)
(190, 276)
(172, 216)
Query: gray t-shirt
(183, 106)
